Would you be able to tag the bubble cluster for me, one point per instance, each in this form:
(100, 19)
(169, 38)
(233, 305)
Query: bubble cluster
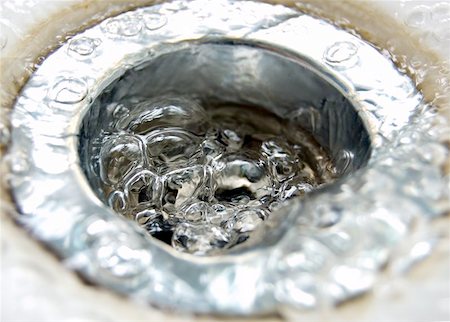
(202, 179)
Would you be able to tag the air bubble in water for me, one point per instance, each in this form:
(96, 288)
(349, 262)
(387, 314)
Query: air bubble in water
(84, 46)
(170, 148)
(199, 239)
(116, 201)
(246, 220)
(154, 21)
(167, 112)
(203, 180)
(342, 54)
(118, 156)
(127, 25)
(182, 186)
(142, 188)
(69, 91)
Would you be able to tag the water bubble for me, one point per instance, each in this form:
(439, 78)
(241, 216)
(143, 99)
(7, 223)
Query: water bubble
(142, 188)
(69, 91)
(294, 187)
(167, 112)
(199, 239)
(154, 21)
(419, 16)
(281, 160)
(116, 201)
(130, 26)
(126, 25)
(241, 174)
(180, 165)
(342, 54)
(118, 156)
(169, 148)
(219, 214)
(119, 259)
(112, 26)
(211, 150)
(197, 212)
(440, 13)
(84, 46)
(152, 220)
(246, 220)
(232, 140)
(118, 256)
(182, 186)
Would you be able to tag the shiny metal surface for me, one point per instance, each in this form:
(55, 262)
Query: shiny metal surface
(112, 252)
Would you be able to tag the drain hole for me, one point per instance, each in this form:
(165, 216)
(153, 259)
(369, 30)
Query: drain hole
(201, 145)
(233, 195)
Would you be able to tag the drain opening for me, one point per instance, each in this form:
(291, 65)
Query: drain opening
(330, 247)
(201, 144)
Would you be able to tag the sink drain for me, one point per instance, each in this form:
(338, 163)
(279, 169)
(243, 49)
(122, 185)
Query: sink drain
(200, 144)
(145, 112)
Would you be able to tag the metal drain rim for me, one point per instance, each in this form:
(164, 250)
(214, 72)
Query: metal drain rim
(62, 88)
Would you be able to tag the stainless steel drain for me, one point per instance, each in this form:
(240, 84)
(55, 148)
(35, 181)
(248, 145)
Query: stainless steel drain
(315, 252)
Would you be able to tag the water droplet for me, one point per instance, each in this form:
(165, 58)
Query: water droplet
(111, 26)
(130, 26)
(419, 16)
(69, 91)
(199, 239)
(440, 13)
(126, 25)
(83, 46)
(342, 54)
(121, 260)
(154, 21)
